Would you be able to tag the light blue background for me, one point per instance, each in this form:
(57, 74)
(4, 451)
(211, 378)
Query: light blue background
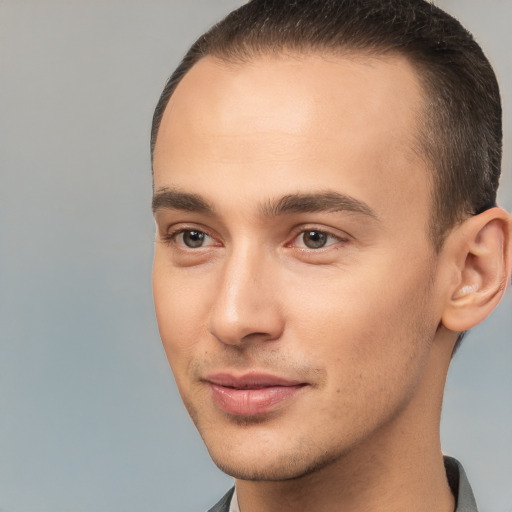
(89, 416)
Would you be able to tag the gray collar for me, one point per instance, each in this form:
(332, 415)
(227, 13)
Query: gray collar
(460, 486)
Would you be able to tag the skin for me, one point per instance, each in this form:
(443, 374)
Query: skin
(358, 322)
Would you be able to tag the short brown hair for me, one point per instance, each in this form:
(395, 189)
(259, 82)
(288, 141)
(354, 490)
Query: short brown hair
(461, 131)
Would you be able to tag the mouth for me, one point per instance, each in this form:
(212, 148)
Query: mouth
(251, 394)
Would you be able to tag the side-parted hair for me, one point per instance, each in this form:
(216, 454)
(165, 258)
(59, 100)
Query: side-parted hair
(460, 130)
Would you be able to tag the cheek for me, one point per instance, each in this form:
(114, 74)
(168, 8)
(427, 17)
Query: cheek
(361, 324)
(179, 307)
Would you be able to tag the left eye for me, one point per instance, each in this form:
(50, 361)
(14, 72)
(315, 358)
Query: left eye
(314, 239)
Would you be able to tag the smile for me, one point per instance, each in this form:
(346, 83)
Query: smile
(251, 394)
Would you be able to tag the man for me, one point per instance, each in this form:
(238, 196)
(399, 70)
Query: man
(325, 176)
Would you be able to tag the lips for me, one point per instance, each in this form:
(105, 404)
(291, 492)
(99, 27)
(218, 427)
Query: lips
(251, 394)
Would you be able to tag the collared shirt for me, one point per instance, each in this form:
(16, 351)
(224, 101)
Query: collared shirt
(465, 501)
(233, 507)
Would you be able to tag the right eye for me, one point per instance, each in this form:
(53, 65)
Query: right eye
(192, 238)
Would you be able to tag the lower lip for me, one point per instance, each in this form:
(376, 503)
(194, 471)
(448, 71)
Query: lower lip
(251, 402)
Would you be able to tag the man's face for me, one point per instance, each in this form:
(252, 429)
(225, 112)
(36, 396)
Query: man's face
(294, 281)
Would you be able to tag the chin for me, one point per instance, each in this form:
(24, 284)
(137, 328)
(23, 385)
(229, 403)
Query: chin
(255, 463)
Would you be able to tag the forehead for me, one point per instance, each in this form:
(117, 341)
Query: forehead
(351, 121)
(288, 93)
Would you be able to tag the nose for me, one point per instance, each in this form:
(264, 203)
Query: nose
(246, 305)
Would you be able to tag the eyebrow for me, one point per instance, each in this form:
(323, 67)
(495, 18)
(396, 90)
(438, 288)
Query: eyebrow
(171, 199)
(328, 201)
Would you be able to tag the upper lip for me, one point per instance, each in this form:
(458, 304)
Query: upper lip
(251, 380)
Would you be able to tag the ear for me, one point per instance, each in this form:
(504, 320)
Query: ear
(481, 250)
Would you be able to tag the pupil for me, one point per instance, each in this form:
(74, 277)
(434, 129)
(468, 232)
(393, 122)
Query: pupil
(193, 238)
(314, 239)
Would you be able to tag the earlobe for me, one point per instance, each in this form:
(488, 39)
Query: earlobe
(483, 251)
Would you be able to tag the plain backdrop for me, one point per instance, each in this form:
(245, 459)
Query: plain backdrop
(90, 419)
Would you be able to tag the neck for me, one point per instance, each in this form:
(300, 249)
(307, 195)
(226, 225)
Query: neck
(403, 482)
(399, 469)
